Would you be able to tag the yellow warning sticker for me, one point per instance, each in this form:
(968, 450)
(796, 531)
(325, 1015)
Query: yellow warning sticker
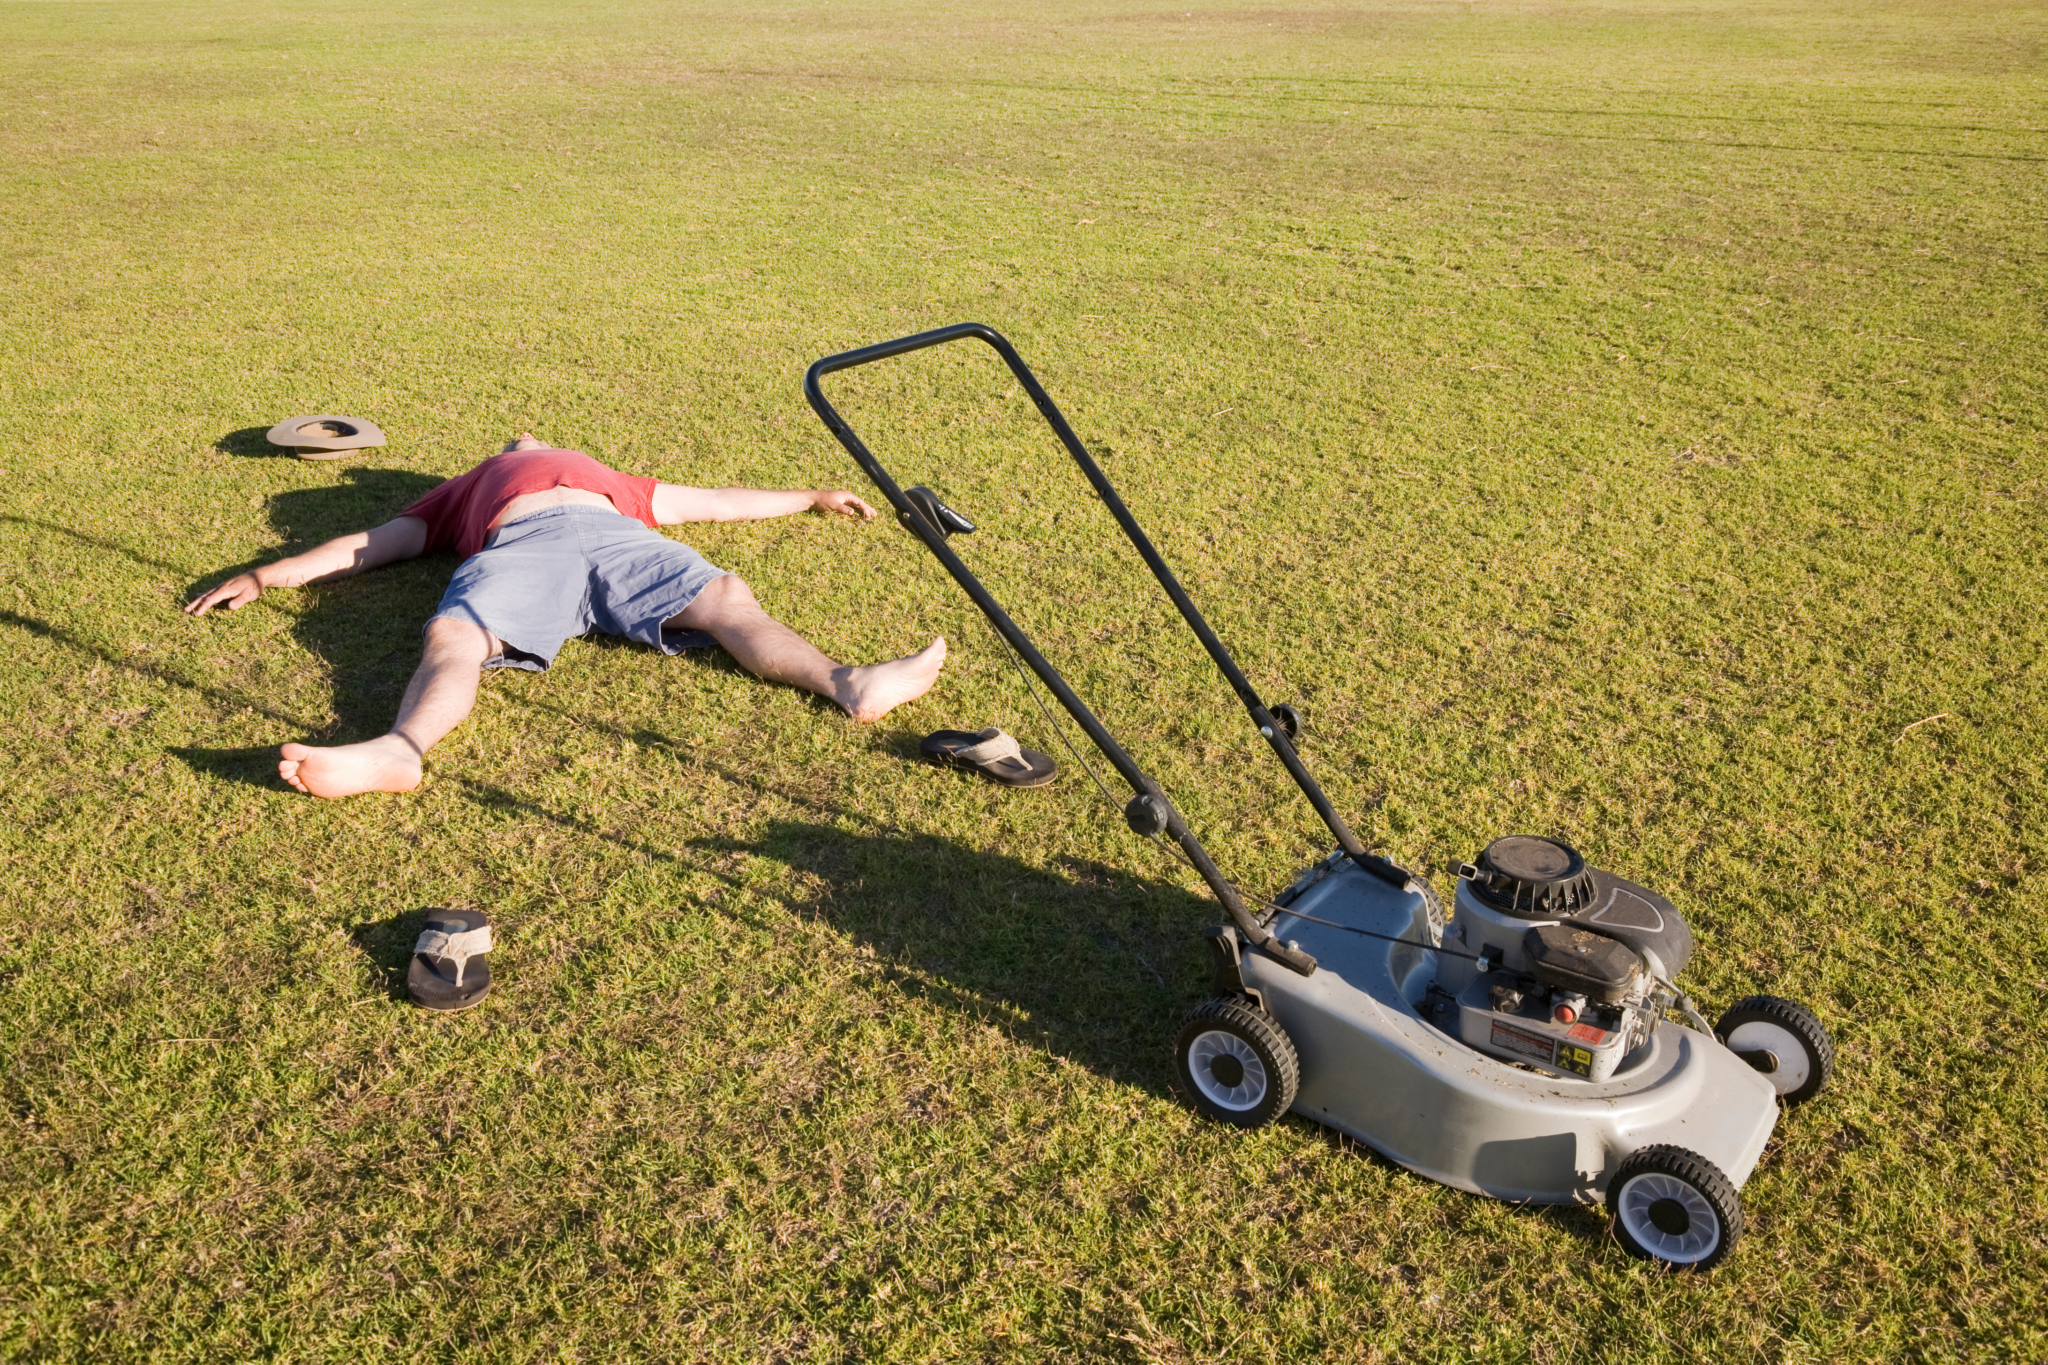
(1575, 1059)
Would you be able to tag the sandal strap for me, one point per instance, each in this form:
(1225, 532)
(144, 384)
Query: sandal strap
(994, 747)
(458, 947)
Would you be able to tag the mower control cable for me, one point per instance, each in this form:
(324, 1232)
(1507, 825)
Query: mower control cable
(1368, 933)
(1110, 801)
(1057, 728)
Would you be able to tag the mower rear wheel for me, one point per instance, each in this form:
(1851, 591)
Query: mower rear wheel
(1236, 1062)
(1435, 912)
(1782, 1040)
(1674, 1207)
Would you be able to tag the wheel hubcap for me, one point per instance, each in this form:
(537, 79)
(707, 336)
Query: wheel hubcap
(1227, 1071)
(1793, 1065)
(1669, 1218)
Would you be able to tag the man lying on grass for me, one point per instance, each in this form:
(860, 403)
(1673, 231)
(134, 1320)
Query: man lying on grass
(554, 544)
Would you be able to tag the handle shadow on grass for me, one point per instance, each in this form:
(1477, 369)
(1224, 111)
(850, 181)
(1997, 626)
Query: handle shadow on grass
(1087, 961)
(253, 765)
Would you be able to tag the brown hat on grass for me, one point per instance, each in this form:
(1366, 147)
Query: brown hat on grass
(325, 437)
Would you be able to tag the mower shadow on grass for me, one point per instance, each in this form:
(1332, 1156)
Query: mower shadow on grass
(1087, 961)
(1083, 960)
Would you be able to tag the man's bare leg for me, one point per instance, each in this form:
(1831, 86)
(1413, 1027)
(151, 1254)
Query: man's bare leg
(441, 693)
(768, 649)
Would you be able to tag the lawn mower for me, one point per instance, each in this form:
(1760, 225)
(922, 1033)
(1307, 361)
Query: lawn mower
(1517, 1048)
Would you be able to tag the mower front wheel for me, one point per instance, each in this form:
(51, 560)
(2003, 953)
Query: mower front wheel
(1674, 1207)
(1782, 1040)
(1236, 1062)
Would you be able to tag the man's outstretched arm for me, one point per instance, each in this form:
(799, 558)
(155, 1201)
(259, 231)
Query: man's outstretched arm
(399, 538)
(673, 503)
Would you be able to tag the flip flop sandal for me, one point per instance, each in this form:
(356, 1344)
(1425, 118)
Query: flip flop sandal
(990, 752)
(448, 971)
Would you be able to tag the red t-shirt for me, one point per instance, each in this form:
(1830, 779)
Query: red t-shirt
(460, 512)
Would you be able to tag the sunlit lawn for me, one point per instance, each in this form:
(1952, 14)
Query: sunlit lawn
(1617, 422)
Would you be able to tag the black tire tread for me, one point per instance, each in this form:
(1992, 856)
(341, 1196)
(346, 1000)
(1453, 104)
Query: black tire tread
(1794, 1017)
(1437, 918)
(1695, 1170)
(1240, 1016)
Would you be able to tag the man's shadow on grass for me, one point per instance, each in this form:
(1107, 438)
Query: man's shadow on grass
(365, 630)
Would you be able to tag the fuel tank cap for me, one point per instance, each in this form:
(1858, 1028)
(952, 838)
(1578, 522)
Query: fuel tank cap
(1534, 877)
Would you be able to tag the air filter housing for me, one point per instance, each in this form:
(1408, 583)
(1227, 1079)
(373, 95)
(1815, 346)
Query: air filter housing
(1602, 968)
(1533, 878)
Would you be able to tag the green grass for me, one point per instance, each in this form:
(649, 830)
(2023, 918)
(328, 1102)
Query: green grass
(1617, 421)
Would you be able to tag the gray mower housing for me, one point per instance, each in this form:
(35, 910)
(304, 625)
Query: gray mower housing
(1374, 1068)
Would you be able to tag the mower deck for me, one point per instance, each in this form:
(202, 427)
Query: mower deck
(1374, 1069)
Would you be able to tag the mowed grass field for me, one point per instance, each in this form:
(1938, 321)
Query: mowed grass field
(1622, 422)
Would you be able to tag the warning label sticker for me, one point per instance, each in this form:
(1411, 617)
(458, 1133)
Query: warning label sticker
(1586, 1033)
(1508, 1038)
(1575, 1059)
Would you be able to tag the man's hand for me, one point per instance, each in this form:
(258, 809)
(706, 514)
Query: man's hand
(237, 592)
(842, 502)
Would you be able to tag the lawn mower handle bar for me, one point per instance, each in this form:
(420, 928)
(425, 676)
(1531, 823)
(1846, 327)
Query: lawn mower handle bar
(935, 540)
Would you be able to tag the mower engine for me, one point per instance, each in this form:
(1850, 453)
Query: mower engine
(1554, 965)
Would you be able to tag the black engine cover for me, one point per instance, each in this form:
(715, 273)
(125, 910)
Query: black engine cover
(1640, 918)
(1532, 877)
(1583, 960)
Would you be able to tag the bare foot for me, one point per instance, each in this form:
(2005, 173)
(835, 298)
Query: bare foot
(526, 440)
(871, 692)
(384, 764)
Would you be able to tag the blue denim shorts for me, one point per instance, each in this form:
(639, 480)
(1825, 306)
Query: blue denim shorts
(550, 577)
